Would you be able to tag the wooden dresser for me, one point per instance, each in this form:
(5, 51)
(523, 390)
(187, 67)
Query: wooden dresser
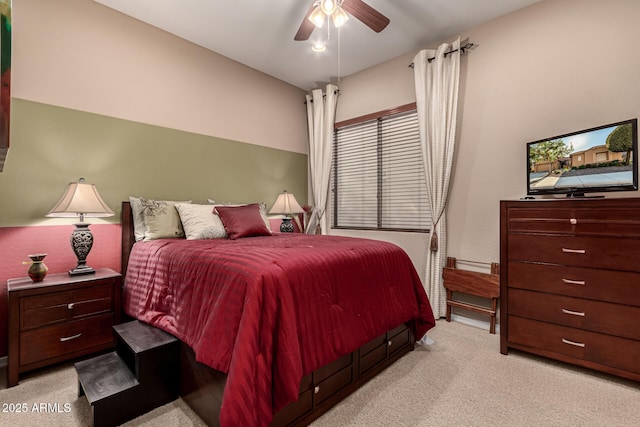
(60, 318)
(570, 281)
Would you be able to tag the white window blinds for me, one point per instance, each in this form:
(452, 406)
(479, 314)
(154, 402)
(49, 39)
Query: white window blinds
(378, 177)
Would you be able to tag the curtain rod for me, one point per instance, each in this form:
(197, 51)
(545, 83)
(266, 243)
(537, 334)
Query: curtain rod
(324, 95)
(463, 49)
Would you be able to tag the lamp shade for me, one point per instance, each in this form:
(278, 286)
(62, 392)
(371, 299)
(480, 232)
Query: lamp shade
(80, 199)
(286, 204)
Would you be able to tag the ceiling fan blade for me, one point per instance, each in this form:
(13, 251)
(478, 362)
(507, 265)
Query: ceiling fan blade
(306, 28)
(365, 13)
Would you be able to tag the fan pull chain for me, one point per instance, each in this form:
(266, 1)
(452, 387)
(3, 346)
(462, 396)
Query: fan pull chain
(339, 56)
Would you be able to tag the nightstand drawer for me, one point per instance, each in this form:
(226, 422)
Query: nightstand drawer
(61, 318)
(65, 338)
(51, 308)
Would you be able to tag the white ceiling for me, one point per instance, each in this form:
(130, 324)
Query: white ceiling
(259, 33)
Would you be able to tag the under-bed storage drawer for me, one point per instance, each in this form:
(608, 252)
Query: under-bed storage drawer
(333, 384)
(317, 387)
(377, 350)
(336, 380)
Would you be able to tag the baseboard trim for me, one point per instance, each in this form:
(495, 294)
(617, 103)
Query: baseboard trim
(478, 323)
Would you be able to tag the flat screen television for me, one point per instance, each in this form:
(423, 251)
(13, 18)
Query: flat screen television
(600, 159)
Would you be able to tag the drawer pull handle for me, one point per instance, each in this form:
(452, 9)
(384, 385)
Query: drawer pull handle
(316, 389)
(573, 313)
(574, 282)
(577, 344)
(72, 337)
(389, 343)
(574, 251)
(70, 306)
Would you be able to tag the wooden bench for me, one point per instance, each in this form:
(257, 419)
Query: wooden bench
(482, 285)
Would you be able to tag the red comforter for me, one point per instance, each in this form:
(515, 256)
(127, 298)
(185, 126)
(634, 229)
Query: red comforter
(266, 310)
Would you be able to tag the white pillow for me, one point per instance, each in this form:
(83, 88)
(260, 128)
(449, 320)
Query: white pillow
(200, 222)
(263, 210)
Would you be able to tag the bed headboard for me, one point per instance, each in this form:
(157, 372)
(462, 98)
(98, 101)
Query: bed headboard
(128, 238)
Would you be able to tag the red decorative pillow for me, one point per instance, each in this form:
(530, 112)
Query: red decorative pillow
(242, 221)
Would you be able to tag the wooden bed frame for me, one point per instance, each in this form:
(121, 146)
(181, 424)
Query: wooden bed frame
(202, 387)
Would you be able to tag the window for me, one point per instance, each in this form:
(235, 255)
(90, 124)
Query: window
(378, 177)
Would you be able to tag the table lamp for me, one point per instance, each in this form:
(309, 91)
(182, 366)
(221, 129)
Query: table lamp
(286, 205)
(81, 199)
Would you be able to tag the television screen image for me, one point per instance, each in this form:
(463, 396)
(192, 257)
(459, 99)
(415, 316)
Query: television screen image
(599, 159)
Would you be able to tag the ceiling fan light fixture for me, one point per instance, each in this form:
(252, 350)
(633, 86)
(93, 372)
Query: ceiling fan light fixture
(319, 47)
(328, 6)
(339, 17)
(317, 17)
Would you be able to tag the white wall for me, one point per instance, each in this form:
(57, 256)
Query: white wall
(555, 67)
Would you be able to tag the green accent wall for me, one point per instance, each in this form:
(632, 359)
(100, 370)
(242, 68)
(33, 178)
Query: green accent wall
(52, 146)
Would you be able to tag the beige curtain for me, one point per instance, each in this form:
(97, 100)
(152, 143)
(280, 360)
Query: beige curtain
(437, 84)
(321, 114)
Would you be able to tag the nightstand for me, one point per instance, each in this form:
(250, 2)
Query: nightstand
(60, 318)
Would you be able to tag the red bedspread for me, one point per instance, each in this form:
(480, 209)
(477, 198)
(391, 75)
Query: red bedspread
(266, 310)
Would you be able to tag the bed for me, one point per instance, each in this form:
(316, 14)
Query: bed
(275, 329)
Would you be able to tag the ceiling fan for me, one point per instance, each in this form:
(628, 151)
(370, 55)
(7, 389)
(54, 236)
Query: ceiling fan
(320, 9)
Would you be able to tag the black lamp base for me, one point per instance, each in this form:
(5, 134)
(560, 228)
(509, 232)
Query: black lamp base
(81, 243)
(286, 226)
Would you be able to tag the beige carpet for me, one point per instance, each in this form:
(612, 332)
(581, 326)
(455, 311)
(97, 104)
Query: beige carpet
(461, 380)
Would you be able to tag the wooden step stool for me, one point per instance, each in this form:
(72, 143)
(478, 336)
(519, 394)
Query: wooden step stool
(139, 376)
(472, 283)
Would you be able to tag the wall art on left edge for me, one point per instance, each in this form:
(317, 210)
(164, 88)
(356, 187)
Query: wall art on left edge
(5, 78)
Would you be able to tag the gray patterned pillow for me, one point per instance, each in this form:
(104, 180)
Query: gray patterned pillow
(161, 219)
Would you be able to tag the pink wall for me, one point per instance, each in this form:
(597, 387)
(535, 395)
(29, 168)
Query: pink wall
(18, 242)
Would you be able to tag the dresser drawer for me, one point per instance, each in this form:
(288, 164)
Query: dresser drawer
(604, 285)
(592, 221)
(51, 308)
(596, 316)
(540, 337)
(619, 254)
(65, 338)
